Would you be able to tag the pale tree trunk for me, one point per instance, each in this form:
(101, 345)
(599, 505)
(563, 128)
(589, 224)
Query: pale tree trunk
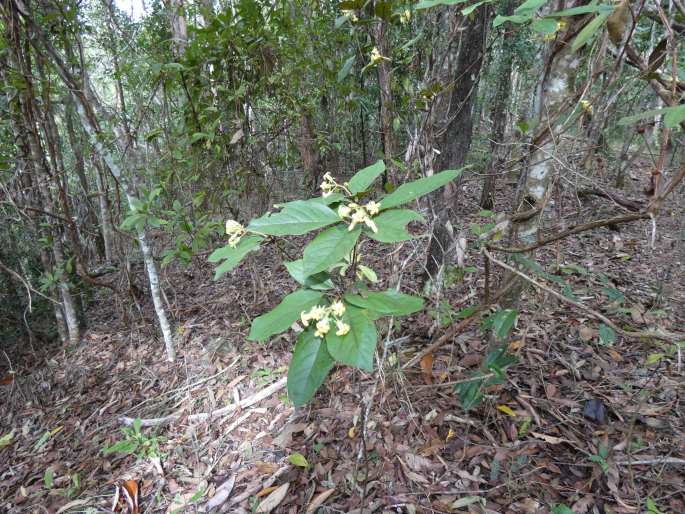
(104, 210)
(384, 69)
(457, 138)
(87, 106)
(179, 29)
(499, 113)
(556, 88)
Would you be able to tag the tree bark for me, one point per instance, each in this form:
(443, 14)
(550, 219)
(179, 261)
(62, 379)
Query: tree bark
(457, 138)
(384, 70)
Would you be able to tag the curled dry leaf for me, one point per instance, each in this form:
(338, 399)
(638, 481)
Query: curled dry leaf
(274, 499)
(222, 494)
(319, 500)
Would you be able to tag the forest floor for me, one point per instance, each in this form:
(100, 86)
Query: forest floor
(533, 443)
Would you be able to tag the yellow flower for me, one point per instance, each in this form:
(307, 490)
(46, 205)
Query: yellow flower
(343, 328)
(317, 312)
(322, 328)
(350, 14)
(372, 208)
(234, 240)
(376, 56)
(305, 317)
(359, 216)
(405, 16)
(587, 106)
(233, 227)
(344, 211)
(370, 223)
(337, 308)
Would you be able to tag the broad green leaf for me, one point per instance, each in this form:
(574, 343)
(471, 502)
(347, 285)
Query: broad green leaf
(319, 281)
(468, 10)
(329, 247)
(561, 509)
(233, 256)
(49, 478)
(6, 439)
(295, 219)
(364, 178)
(516, 18)
(502, 323)
(427, 4)
(583, 9)
(297, 459)
(470, 393)
(413, 190)
(607, 336)
(529, 7)
(345, 70)
(388, 302)
(673, 116)
(544, 26)
(589, 30)
(392, 225)
(357, 347)
(284, 315)
(308, 368)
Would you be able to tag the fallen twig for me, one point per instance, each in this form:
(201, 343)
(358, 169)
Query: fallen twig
(636, 335)
(204, 416)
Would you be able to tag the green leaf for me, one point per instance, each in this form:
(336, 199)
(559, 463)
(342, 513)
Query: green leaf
(544, 26)
(284, 315)
(357, 347)
(392, 225)
(583, 9)
(468, 10)
(607, 336)
(502, 323)
(345, 70)
(6, 439)
(589, 31)
(427, 4)
(529, 7)
(297, 459)
(674, 116)
(233, 256)
(49, 478)
(561, 509)
(127, 446)
(412, 190)
(470, 393)
(329, 247)
(295, 219)
(387, 303)
(309, 367)
(364, 178)
(516, 18)
(319, 281)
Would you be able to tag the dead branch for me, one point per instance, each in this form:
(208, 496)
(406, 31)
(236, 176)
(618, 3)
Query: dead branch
(204, 416)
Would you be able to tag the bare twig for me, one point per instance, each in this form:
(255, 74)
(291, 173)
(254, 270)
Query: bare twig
(204, 416)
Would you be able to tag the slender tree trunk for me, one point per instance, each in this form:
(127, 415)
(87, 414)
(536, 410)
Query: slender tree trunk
(87, 106)
(179, 30)
(311, 160)
(499, 113)
(457, 137)
(384, 69)
(104, 210)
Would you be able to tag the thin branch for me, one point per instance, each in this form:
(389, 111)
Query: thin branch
(587, 310)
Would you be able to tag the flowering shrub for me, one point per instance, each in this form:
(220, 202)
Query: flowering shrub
(334, 304)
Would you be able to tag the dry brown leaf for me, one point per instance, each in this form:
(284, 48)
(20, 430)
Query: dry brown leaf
(222, 494)
(274, 499)
(319, 500)
(427, 368)
(550, 438)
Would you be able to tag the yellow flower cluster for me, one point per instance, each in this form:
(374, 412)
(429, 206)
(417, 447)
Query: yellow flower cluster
(587, 106)
(329, 185)
(405, 16)
(360, 214)
(376, 56)
(322, 315)
(235, 230)
(350, 14)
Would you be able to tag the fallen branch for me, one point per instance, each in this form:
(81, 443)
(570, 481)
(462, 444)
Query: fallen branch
(587, 310)
(613, 195)
(204, 416)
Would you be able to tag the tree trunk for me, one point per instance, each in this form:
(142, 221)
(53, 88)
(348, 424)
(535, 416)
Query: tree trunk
(499, 113)
(87, 106)
(457, 138)
(311, 161)
(179, 29)
(384, 69)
